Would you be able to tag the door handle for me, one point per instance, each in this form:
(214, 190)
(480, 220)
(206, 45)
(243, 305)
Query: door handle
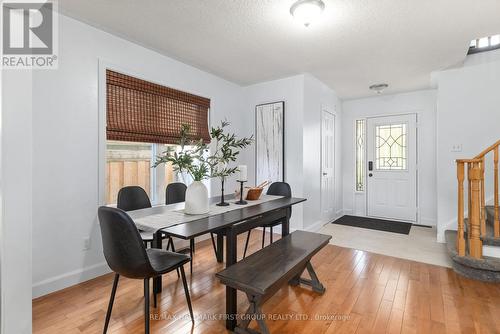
(325, 174)
(370, 165)
(370, 175)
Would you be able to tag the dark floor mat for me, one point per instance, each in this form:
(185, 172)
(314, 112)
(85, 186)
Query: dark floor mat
(375, 224)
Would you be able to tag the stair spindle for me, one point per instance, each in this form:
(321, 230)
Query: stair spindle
(483, 204)
(475, 243)
(460, 232)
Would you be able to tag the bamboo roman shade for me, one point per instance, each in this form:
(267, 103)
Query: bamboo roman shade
(142, 111)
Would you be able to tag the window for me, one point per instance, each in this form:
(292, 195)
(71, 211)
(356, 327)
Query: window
(129, 164)
(484, 44)
(143, 120)
(391, 147)
(360, 155)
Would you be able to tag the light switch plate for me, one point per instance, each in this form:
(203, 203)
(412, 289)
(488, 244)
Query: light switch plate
(456, 148)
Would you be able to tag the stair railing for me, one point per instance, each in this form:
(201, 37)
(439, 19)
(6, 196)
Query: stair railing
(476, 202)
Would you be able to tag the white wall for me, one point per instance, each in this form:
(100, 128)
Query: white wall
(290, 90)
(319, 97)
(65, 144)
(467, 114)
(304, 97)
(423, 103)
(16, 189)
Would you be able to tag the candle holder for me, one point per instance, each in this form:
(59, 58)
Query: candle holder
(241, 201)
(222, 202)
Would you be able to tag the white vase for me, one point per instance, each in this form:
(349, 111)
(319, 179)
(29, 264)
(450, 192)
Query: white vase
(196, 199)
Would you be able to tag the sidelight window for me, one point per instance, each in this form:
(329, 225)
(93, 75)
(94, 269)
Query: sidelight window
(360, 155)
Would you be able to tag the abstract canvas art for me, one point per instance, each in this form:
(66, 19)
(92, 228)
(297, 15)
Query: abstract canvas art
(269, 140)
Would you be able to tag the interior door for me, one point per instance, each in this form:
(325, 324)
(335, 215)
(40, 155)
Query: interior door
(327, 166)
(391, 169)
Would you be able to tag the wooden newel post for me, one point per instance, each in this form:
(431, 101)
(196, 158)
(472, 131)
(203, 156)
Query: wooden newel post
(460, 231)
(496, 222)
(475, 243)
(483, 203)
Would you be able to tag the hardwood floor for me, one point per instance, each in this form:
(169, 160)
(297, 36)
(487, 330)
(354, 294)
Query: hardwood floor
(366, 293)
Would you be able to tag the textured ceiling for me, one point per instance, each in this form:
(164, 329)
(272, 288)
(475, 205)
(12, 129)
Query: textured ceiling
(356, 43)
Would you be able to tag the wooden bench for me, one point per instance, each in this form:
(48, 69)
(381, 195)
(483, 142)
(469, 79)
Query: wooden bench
(263, 273)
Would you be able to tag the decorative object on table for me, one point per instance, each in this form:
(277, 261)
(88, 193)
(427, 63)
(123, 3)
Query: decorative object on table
(254, 193)
(227, 149)
(222, 201)
(241, 201)
(242, 179)
(195, 160)
(269, 141)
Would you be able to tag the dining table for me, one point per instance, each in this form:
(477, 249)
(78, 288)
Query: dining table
(232, 220)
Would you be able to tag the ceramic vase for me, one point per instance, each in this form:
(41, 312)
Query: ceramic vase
(196, 199)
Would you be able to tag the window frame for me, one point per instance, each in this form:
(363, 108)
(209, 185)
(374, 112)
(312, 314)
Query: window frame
(104, 65)
(355, 128)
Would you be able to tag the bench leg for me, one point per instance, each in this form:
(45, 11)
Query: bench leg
(313, 282)
(254, 312)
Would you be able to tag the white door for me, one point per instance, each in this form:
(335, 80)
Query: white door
(327, 166)
(391, 168)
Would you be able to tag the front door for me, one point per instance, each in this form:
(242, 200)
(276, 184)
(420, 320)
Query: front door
(327, 166)
(391, 168)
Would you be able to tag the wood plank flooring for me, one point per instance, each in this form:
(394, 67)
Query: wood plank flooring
(366, 293)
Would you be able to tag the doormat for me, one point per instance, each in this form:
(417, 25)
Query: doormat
(375, 224)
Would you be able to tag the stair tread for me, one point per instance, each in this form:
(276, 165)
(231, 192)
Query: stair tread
(489, 238)
(486, 263)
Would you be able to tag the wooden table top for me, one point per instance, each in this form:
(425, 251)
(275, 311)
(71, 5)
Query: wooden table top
(218, 221)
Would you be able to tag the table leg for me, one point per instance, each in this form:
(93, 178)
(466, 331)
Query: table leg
(231, 297)
(285, 225)
(157, 243)
(220, 247)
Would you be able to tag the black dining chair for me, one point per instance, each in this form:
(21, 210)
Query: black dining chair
(134, 198)
(176, 193)
(126, 256)
(276, 189)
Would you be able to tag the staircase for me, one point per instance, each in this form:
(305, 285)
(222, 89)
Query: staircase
(480, 230)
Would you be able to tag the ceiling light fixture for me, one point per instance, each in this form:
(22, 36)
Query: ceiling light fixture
(379, 88)
(306, 11)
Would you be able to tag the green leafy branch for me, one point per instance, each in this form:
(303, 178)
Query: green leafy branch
(194, 159)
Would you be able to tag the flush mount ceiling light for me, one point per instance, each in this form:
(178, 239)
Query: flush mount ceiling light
(306, 11)
(379, 88)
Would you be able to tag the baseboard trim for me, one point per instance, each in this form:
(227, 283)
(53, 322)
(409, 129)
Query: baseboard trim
(315, 227)
(427, 221)
(66, 280)
(71, 278)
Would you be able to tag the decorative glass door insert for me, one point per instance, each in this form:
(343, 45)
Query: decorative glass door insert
(391, 147)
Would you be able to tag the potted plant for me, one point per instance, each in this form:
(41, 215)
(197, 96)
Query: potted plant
(195, 160)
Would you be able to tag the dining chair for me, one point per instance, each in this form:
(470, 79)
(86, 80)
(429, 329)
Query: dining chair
(126, 256)
(176, 193)
(276, 189)
(134, 198)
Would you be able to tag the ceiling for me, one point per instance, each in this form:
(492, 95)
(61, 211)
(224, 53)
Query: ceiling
(356, 43)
